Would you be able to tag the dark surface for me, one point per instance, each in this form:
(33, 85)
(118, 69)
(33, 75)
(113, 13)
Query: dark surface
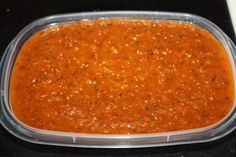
(14, 15)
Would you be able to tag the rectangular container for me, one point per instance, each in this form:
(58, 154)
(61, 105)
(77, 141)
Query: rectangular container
(34, 135)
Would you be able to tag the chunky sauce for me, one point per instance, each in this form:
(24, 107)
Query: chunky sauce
(121, 76)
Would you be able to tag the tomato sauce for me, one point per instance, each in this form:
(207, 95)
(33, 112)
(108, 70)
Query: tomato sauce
(121, 76)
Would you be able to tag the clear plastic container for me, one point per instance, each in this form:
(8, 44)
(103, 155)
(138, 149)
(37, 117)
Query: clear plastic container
(34, 135)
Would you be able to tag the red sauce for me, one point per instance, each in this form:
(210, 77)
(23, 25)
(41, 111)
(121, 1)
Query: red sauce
(121, 76)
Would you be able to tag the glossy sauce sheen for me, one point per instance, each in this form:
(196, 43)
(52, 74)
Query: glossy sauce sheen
(121, 76)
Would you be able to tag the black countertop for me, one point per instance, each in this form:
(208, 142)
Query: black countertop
(14, 15)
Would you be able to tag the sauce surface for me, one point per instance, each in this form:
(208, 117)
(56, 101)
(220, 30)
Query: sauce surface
(121, 76)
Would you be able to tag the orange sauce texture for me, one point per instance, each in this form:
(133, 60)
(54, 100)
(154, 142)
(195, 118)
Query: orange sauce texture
(121, 76)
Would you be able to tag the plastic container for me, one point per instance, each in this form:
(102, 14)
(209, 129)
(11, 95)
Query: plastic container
(27, 133)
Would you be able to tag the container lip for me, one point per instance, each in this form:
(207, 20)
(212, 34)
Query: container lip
(85, 16)
(155, 14)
